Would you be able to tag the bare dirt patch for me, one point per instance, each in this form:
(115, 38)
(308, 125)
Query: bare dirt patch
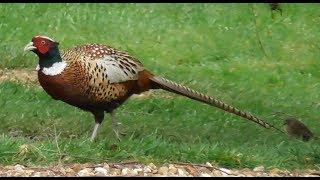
(20, 75)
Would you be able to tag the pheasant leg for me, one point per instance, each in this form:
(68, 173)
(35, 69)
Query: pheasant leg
(98, 117)
(94, 132)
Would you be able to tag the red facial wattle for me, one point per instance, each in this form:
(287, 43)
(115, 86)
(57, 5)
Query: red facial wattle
(43, 48)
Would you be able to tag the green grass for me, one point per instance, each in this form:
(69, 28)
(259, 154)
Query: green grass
(209, 47)
(158, 129)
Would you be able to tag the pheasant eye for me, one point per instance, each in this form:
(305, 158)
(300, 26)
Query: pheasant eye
(43, 42)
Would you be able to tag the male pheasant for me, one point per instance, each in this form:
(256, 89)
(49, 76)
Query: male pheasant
(98, 78)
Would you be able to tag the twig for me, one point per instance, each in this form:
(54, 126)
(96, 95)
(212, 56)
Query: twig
(256, 30)
(57, 144)
(114, 164)
(71, 155)
(123, 163)
(7, 152)
(202, 165)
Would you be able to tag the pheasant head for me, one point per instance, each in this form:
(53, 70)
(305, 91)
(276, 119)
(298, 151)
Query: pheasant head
(46, 49)
(41, 45)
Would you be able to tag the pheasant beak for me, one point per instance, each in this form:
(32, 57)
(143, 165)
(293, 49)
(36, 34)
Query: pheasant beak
(29, 47)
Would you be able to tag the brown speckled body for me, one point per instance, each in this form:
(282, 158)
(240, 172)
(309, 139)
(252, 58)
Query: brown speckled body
(85, 84)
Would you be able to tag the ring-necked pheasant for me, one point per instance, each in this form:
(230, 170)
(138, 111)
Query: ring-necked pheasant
(98, 78)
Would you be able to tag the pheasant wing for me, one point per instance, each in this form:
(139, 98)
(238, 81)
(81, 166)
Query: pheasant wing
(106, 63)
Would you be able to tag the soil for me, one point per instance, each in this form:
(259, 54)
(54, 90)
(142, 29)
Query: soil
(20, 75)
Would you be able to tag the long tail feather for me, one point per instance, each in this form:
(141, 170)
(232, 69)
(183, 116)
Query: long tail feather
(183, 90)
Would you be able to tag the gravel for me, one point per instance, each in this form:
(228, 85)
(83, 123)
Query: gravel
(136, 169)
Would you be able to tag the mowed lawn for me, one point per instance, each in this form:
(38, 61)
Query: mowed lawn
(213, 48)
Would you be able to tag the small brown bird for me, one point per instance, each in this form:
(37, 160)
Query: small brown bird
(297, 129)
(98, 78)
